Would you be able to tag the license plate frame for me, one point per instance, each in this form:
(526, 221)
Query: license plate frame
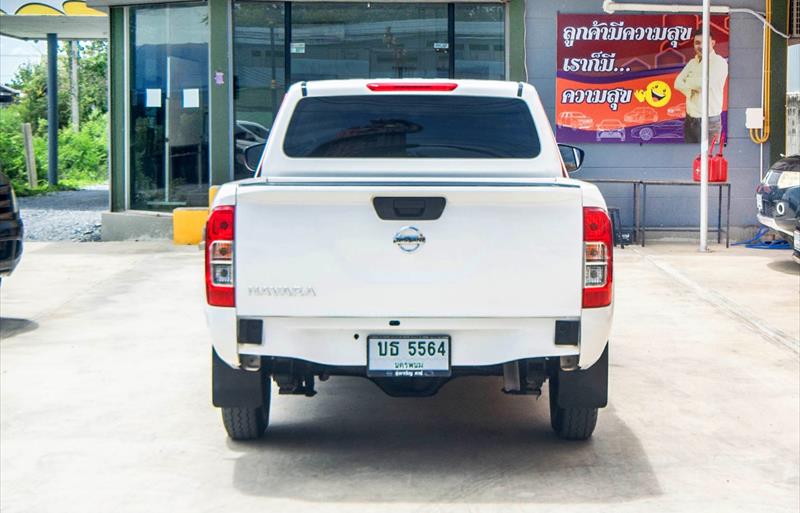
(436, 363)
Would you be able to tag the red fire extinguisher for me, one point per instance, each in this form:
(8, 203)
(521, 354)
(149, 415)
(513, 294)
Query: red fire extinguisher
(717, 164)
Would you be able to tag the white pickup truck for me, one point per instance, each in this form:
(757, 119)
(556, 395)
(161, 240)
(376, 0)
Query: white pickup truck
(410, 232)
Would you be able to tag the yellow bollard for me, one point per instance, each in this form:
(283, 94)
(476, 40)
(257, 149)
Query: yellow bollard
(188, 224)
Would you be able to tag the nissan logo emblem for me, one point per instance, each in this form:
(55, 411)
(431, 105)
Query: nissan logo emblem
(409, 239)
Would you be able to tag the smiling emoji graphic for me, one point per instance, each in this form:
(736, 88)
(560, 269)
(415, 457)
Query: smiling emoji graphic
(657, 94)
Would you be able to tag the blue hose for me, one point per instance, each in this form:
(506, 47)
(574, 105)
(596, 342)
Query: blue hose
(757, 243)
(775, 244)
(761, 232)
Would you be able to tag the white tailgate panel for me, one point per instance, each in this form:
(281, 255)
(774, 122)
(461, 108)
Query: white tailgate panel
(495, 252)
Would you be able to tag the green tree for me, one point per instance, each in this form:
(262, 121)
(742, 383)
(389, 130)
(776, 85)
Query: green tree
(83, 155)
(31, 80)
(92, 79)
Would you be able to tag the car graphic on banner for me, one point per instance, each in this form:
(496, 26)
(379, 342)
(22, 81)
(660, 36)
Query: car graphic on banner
(610, 129)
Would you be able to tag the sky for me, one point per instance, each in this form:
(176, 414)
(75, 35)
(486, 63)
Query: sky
(14, 53)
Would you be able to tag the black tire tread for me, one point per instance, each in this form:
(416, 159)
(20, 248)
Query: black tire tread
(576, 423)
(244, 423)
(570, 423)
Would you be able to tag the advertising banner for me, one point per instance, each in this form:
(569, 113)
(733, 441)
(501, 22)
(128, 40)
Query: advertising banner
(637, 78)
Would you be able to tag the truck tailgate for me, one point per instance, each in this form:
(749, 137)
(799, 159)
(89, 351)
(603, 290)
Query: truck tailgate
(322, 250)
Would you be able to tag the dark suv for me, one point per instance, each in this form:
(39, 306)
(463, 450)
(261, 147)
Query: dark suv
(10, 228)
(778, 197)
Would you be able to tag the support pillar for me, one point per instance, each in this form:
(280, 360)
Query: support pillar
(219, 91)
(52, 109)
(777, 104)
(116, 110)
(515, 17)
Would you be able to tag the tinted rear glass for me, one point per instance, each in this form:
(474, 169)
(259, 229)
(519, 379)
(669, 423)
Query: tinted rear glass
(411, 126)
(783, 179)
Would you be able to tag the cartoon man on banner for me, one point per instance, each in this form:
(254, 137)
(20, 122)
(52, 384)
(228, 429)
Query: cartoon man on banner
(690, 81)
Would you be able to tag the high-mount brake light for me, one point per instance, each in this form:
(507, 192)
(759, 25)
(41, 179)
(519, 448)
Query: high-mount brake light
(219, 257)
(385, 87)
(598, 258)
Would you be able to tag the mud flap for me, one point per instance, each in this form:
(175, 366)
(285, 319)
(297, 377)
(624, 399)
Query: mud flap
(587, 388)
(236, 387)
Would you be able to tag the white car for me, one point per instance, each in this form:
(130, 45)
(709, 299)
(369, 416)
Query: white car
(410, 232)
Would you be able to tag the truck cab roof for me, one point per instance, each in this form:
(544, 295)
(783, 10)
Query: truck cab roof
(389, 129)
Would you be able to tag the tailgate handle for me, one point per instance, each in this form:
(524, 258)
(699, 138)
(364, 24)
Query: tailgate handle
(418, 208)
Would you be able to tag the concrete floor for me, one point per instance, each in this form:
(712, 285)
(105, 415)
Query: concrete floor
(105, 402)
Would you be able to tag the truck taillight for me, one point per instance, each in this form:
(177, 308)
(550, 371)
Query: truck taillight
(598, 258)
(219, 257)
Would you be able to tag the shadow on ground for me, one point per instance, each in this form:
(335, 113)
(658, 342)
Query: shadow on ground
(468, 444)
(10, 327)
(787, 266)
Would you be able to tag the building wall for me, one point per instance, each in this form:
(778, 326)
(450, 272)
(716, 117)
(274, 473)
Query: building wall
(793, 123)
(667, 206)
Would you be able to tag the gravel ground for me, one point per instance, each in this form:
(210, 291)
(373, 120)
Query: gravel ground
(68, 215)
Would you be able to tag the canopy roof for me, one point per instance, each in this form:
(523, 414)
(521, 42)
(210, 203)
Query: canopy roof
(70, 19)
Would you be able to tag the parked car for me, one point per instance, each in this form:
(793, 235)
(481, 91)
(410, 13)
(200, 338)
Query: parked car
(409, 232)
(11, 229)
(246, 134)
(610, 129)
(672, 129)
(778, 197)
(677, 111)
(575, 120)
(641, 115)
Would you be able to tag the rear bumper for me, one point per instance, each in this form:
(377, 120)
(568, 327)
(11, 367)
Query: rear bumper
(784, 226)
(11, 232)
(475, 341)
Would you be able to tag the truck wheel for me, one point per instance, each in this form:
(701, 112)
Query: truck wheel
(247, 423)
(570, 423)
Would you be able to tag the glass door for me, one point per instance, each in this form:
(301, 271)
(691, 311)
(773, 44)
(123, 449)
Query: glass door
(169, 106)
(276, 44)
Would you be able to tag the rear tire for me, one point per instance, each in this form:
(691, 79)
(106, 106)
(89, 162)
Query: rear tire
(570, 423)
(247, 423)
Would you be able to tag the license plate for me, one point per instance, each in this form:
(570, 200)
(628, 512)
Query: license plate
(759, 203)
(409, 356)
(797, 240)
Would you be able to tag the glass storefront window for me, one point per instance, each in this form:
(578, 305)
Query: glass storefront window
(341, 40)
(169, 106)
(480, 41)
(368, 40)
(259, 73)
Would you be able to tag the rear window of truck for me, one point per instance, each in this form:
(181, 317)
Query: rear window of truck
(412, 126)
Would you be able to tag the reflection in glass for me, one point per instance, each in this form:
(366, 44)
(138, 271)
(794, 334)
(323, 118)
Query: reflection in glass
(259, 74)
(368, 40)
(480, 41)
(333, 40)
(405, 126)
(169, 106)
